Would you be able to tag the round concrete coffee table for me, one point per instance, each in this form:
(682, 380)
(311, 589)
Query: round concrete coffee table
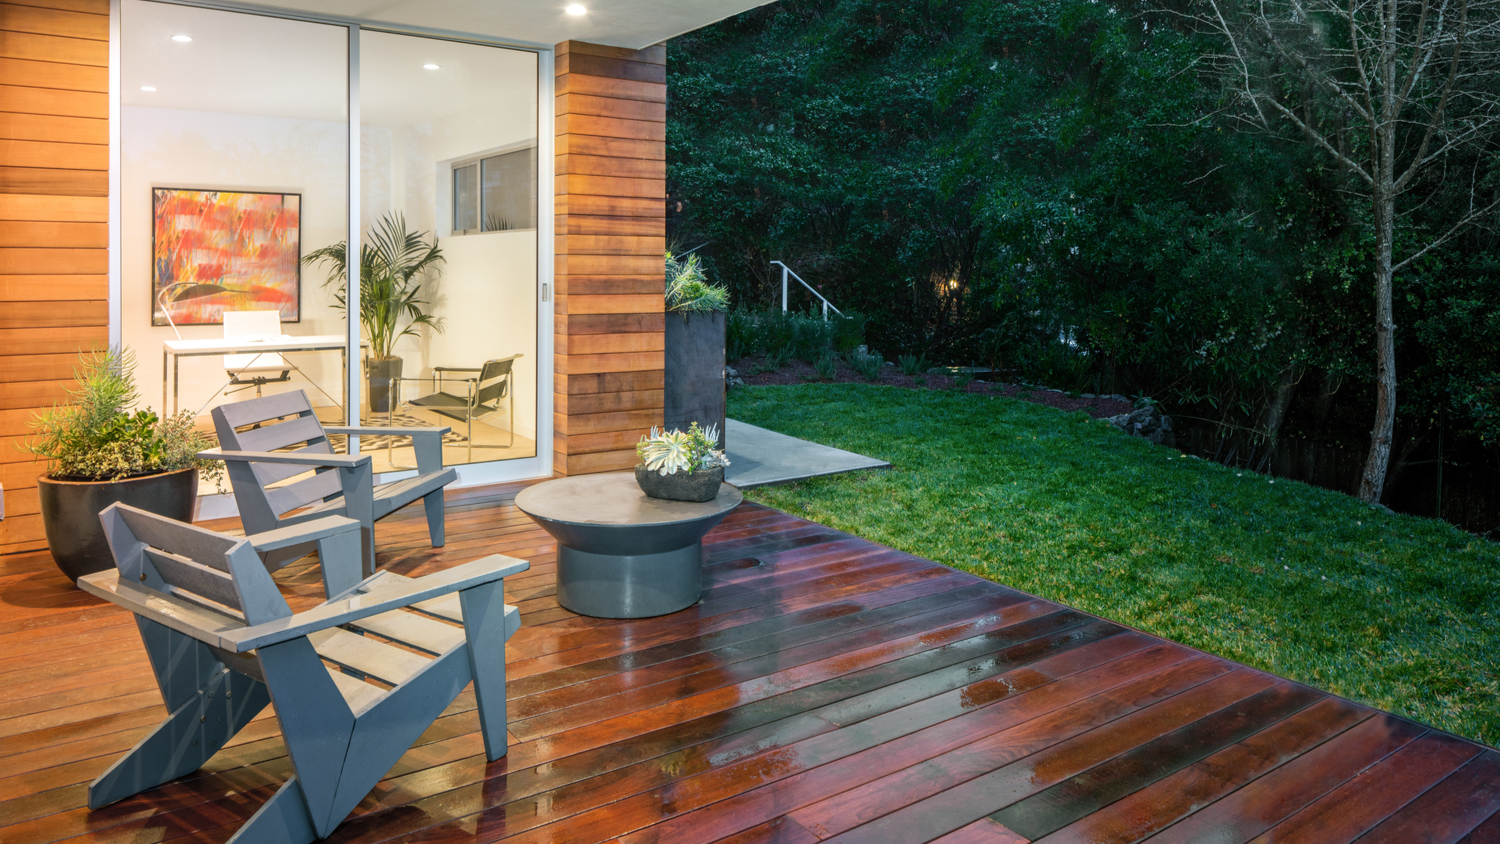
(620, 553)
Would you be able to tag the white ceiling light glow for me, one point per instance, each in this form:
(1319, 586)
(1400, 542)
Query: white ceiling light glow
(148, 88)
(575, 10)
(182, 39)
(431, 66)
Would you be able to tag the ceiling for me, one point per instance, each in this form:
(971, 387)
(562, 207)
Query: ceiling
(260, 65)
(617, 23)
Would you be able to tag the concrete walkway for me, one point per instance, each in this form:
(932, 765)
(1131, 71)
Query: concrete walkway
(758, 457)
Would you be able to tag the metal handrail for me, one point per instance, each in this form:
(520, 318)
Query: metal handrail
(787, 271)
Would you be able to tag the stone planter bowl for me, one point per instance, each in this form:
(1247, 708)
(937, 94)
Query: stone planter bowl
(701, 485)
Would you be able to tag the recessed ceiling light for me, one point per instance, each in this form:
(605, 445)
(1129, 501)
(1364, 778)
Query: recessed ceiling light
(148, 88)
(431, 66)
(182, 39)
(576, 9)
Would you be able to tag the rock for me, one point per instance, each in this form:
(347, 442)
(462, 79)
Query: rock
(1382, 509)
(1149, 423)
(732, 378)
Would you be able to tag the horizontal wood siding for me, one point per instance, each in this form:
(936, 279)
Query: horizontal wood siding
(610, 234)
(54, 224)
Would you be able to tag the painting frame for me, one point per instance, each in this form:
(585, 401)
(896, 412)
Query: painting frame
(261, 269)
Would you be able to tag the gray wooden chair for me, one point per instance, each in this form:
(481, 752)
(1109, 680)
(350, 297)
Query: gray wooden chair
(250, 434)
(223, 643)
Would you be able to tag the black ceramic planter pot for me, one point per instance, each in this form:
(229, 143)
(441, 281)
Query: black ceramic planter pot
(70, 513)
(379, 375)
(694, 372)
(702, 485)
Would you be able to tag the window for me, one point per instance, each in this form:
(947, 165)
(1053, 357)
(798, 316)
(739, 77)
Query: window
(495, 193)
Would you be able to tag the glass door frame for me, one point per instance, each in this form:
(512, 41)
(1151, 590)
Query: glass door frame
(537, 466)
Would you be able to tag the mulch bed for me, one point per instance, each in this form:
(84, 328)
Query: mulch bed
(801, 372)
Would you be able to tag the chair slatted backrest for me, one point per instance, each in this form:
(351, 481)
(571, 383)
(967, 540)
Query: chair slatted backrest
(218, 572)
(494, 380)
(284, 420)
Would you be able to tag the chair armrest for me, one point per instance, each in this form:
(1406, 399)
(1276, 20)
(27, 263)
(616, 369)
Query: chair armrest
(185, 617)
(426, 442)
(365, 604)
(337, 540)
(456, 369)
(305, 533)
(375, 430)
(301, 458)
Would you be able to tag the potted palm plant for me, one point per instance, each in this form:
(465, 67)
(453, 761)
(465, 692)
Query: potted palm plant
(101, 453)
(394, 264)
(694, 366)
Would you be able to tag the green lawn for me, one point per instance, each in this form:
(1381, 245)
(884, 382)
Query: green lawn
(1394, 611)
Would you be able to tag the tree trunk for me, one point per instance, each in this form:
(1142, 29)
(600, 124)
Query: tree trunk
(1275, 413)
(1372, 482)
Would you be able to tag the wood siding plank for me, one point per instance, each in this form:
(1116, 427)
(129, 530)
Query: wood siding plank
(53, 288)
(618, 226)
(23, 100)
(52, 315)
(45, 261)
(612, 68)
(44, 21)
(611, 147)
(611, 107)
(598, 165)
(46, 127)
(53, 341)
(67, 77)
(51, 48)
(587, 124)
(598, 344)
(621, 89)
(55, 235)
(53, 155)
(54, 209)
(34, 180)
(593, 244)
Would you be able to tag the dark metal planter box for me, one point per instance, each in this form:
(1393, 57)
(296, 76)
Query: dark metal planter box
(695, 371)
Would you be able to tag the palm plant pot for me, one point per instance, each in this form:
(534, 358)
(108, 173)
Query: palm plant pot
(694, 371)
(380, 375)
(70, 513)
(702, 485)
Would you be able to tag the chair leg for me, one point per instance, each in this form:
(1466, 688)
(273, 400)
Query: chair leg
(486, 629)
(281, 820)
(432, 502)
(195, 731)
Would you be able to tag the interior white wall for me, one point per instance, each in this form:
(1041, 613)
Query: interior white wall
(214, 150)
(487, 291)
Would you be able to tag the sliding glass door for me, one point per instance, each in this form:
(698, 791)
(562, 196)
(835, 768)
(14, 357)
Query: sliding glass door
(236, 218)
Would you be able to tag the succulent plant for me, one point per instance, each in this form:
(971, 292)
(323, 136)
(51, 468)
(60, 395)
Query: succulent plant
(681, 451)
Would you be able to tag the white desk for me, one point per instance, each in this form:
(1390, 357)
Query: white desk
(178, 349)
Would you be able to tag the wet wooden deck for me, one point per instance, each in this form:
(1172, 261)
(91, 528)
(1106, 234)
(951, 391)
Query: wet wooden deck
(827, 688)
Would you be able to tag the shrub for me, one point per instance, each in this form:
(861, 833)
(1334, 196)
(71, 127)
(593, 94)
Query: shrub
(867, 365)
(827, 365)
(688, 291)
(97, 438)
(912, 364)
(803, 336)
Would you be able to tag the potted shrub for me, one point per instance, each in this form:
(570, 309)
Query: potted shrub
(694, 368)
(101, 453)
(681, 465)
(394, 262)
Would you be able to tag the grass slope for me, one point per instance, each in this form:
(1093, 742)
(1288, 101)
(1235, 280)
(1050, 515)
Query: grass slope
(1397, 612)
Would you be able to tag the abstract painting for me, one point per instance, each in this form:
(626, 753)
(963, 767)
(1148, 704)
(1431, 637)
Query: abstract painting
(216, 251)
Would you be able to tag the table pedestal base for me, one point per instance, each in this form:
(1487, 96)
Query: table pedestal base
(629, 586)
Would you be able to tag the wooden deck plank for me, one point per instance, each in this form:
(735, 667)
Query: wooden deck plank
(824, 689)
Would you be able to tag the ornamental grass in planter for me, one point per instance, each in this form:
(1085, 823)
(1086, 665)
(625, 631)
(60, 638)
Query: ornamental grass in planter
(101, 453)
(681, 465)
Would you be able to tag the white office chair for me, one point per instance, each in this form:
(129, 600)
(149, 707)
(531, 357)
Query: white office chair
(259, 368)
